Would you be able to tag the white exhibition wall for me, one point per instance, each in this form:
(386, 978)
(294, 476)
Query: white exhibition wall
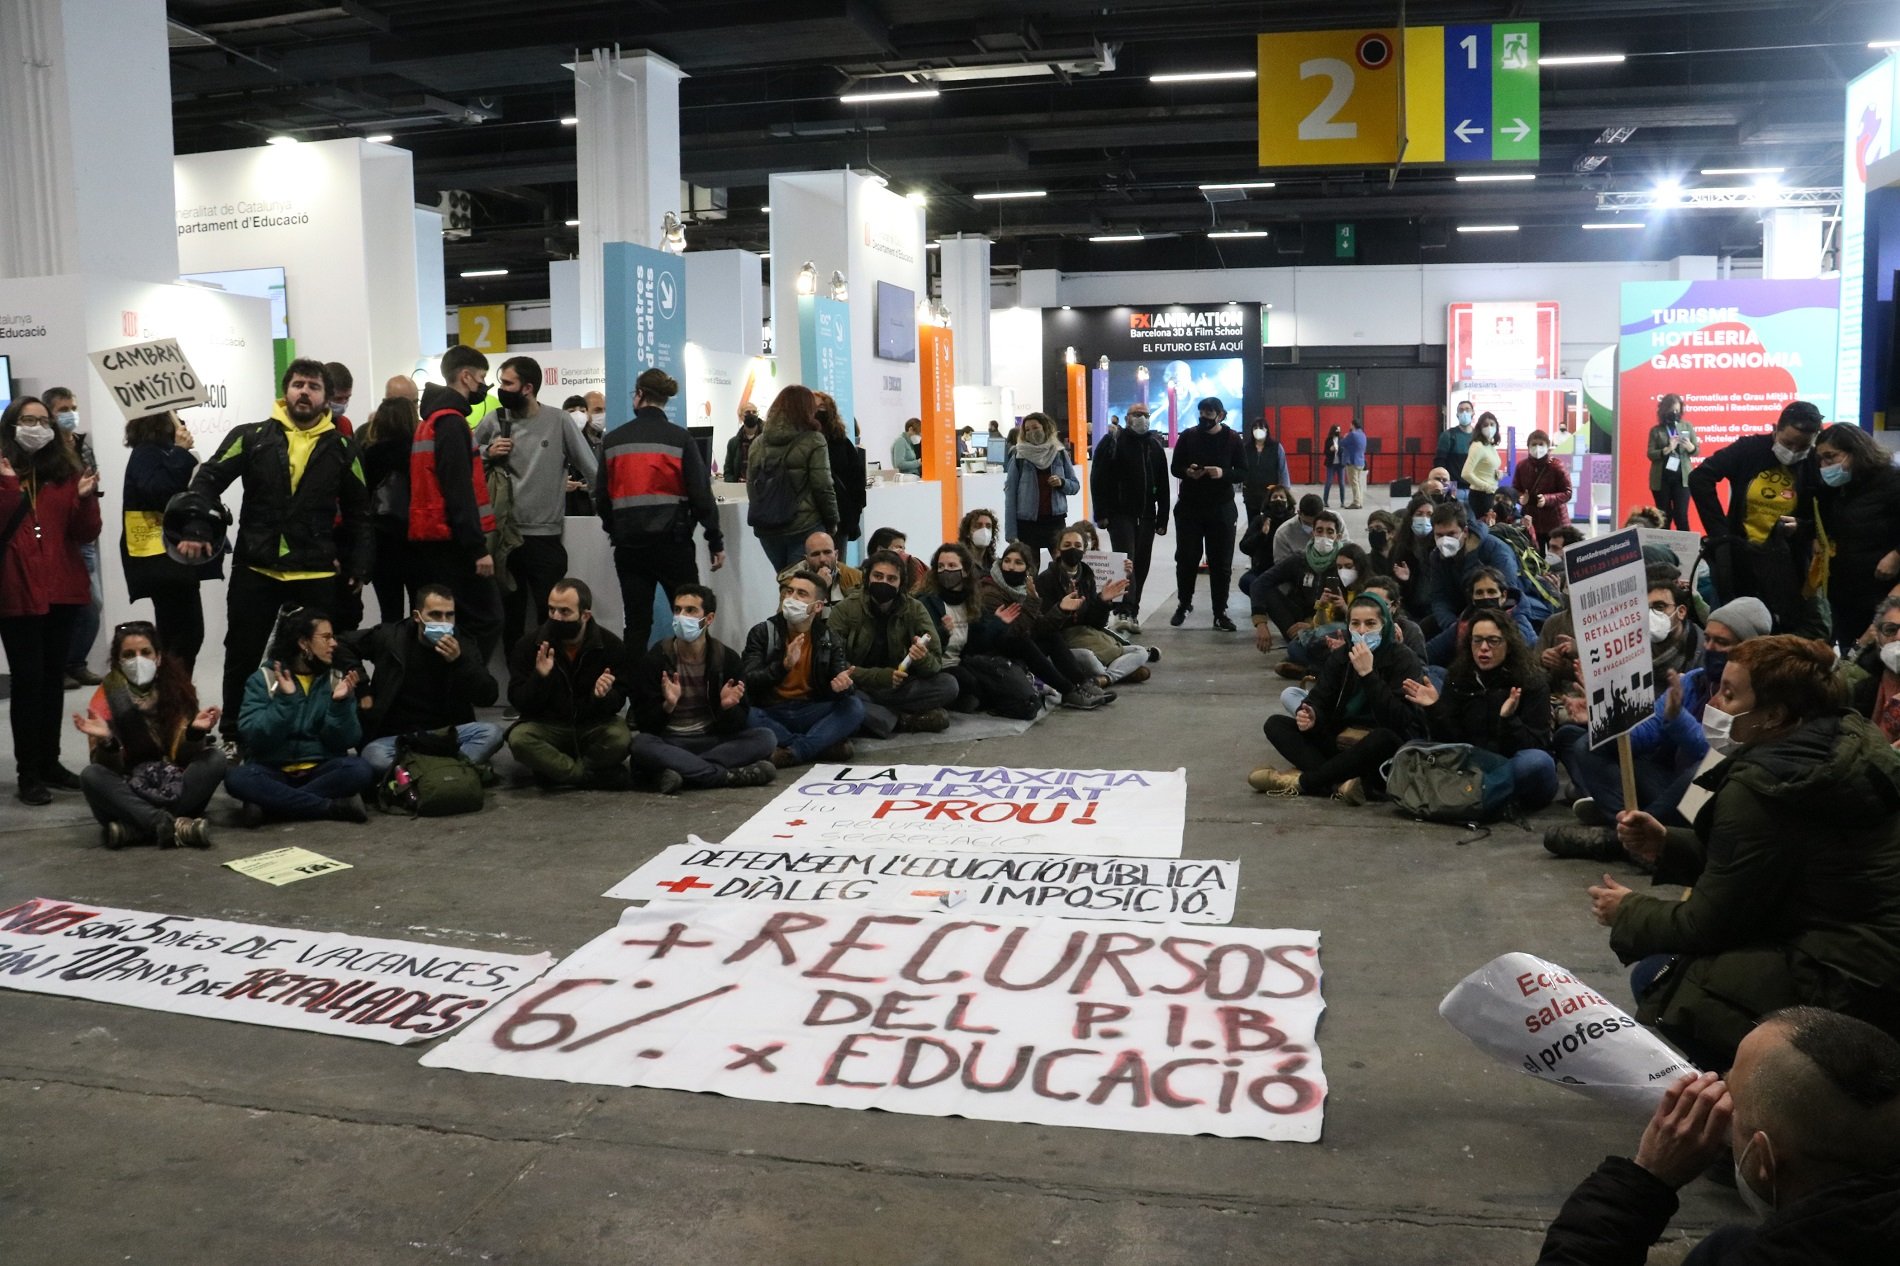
(322, 211)
(227, 338)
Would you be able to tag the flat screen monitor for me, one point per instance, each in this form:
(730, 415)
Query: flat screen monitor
(1185, 382)
(896, 323)
(995, 451)
(6, 381)
(259, 283)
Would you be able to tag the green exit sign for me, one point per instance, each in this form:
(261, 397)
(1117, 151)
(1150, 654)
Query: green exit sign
(1332, 385)
(1345, 241)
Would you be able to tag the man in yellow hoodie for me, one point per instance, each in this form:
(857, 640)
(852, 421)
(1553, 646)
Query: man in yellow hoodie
(304, 522)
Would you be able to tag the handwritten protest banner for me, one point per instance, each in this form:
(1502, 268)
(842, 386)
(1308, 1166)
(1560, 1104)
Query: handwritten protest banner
(1100, 812)
(326, 982)
(1609, 599)
(150, 377)
(1154, 889)
(1535, 1016)
(1169, 1029)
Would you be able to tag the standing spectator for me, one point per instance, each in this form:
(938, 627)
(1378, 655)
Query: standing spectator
(298, 725)
(1130, 482)
(1334, 461)
(789, 478)
(421, 678)
(799, 679)
(1208, 461)
(847, 468)
(339, 385)
(65, 410)
(533, 446)
(450, 517)
(1672, 447)
(154, 768)
(564, 680)
(1483, 465)
(1543, 488)
(1453, 443)
(739, 447)
(1038, 481)
(653, 488)
(1860, 511)
(689, 703)
(1352, 452)
(49, 507)
(384, 446)
(890, 641)
(1762, 545)
(907, 450)
(158, 468)
(1264, 470)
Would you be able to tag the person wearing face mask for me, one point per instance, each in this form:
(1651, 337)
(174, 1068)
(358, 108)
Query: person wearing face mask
(1542, 485)
(1352, 457)
(421, 678)
(1333, 460)
(1792, 863)
(1129, 476)
(1080, 610)
(531, 452)
(1672, 447)
(450, 514)
(1287, 593)
(1482, 465)
(1809, 1119)
(154, 765)
(907, 450)
(916, 575)
(1038, 480)
(976, 532)
(694, 727)
(1453, 443)
(1321, 628)
(1859, 507)
(66, 424)
(1360, 687)
(891, 642)
(1295, 533)
(1763, 544)
(1411, 554)
(580, 496)
(1437, 486)
(1486, 592)
(1877, 693)
(1032, 631)
(739, 447)
(298, 725)
(1675, 642)
(567, 680)
(1208, 461)
(595, 428)
(973, 640)
(1265, 469)
(799, 678)
(49, 507)
(157, 469)
(1496, 699)
(1460, 547)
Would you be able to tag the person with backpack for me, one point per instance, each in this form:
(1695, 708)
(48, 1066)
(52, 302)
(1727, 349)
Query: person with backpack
(788, 478)
(422, 677)
(1356, 716)
(799, 678)
(1031, 635)
(298, 726)
(159, 468)
(1542, 485)
(890, 640)
(1496, 700)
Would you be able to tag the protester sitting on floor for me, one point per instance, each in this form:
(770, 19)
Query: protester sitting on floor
(1667, 749)
(1437, 486)
(1486, 589)
(297, 726)
(1809, 1114)
(1360, 695)
(689, 702)
(799, 678)
(891, 642)
(977, 533)
(1412, 557)
(564, 680)
(1794, 864)
(1032, 636)
(1877, 694)
(154, 763)
(1081, 611)
(1382, 531)
(915, 574)
(1287, 592)
(1389, 588)
(1291, 538)
(1323, 628)
(1675, 642)
(1496, 699)
(421, 677)
(821, 556)
(1460, 549)
(974, 641)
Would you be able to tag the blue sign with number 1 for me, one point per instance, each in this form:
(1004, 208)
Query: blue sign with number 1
(1467, 94)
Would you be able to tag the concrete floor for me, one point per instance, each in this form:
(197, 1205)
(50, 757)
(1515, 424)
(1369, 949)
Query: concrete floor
(137, 1136)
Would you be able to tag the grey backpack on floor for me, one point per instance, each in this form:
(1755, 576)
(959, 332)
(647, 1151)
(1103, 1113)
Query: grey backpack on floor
(1437, 782)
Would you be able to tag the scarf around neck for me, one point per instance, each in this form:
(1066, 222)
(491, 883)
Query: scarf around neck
(1038, 455)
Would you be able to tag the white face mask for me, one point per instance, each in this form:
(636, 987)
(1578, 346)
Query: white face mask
(1260, 432)
(1890, 656)
(138, 669)
(1540, 450)
(796, 611)
(1660, 626)
(579, 416)
(1788, 456)
(1718, 728)
(982, 537)
(1324, 545)
(1347, 575)
(1448, 546)
(1760, 1207)
(1138, 423)
(1487, 433)
(33, 437)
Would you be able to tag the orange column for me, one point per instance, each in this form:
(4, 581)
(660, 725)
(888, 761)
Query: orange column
(1079, 434)
(938, 376)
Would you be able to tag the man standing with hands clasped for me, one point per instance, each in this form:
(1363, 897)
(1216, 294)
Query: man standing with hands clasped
(1210, 462)
(1129, 476)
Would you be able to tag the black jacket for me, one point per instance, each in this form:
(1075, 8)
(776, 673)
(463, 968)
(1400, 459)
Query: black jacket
(1616, 1213)
(1341, 697)
(1055, 583)
(454, 451)
(847, 483)
(649, 702)
(765, 660)
(1129, 478)
(566, 695)
(281, 530)
(386, 649)
(1210, 500)
(737, 449)
(1863, 524)
(154, 474)
(1467, 711)
(654, 485)
(1739, 463)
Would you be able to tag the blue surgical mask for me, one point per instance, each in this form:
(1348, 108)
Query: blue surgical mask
(688, 628)
(1422, 526)
(1836, 475)
(1368, 640)
(68, 419)
(434, 631)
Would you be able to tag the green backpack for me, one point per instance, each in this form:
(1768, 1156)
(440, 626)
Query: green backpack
(1534, 577)
(1437, 782)
(426, 783)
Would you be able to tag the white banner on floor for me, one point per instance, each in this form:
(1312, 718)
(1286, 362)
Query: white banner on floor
(1170, 1029)
(1146, 888)
(326, 982)
(973, 809)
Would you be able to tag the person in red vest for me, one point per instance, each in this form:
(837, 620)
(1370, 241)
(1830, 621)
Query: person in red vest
(652, 487)
(449, 518)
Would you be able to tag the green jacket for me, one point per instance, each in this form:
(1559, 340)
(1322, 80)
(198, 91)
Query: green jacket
(803, 457)
(280, 729)
(1795, 863)
(876, 642)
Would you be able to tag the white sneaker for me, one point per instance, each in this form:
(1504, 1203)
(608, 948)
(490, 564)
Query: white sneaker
(1122, 623)
(1132, 627)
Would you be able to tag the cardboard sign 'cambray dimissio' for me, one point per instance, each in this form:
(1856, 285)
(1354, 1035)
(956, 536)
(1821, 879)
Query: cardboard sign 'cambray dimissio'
(150, 377)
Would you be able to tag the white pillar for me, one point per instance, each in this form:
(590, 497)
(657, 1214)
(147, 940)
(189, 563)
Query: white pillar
(965, 277)
(725, 301)
(564, 304)
(1791, 239)
(628, 156)
(432, 302)
(86, 147)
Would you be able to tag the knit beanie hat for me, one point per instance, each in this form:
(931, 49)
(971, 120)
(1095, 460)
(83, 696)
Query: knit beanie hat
(1748, 617)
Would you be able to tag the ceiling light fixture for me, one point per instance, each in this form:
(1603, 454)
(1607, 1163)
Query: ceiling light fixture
(1620, 224)
(573, 224)
(280, 140)
(1118, 237)
(484, 272)
(1743, 171)
(1497, 178)
(1883, 44)
(572, 120)
(1237, 184)
(1583, 59)
(870, 98)
(1487, 228)
(917, 197)
(1238, 233)
(1001, 195)
(381, 138)
(1200, 76)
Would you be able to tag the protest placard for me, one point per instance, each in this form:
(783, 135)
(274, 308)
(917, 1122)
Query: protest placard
(1609, 600)
(1100, 812)
(1107, 565)
(1169, 1029)
(1535, 1016)
(1152, 889)
(1684, 547)
(283, 866)
(150, 377)
(288, 978)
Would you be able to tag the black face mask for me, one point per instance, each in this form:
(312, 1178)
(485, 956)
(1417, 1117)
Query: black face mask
(1070, 557)
(1015, 579)
(882, 592)
(1280, 507)
(950, 583)
(513, 401)
(1209, 421)
(1378, 538)
(564, 630)
(1487, 604)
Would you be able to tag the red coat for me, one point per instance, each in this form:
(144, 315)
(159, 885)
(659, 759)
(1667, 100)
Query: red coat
(1537, 482)
(43, 568)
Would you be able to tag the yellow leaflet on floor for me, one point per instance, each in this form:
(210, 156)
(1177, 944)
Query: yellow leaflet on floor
(283, 866)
